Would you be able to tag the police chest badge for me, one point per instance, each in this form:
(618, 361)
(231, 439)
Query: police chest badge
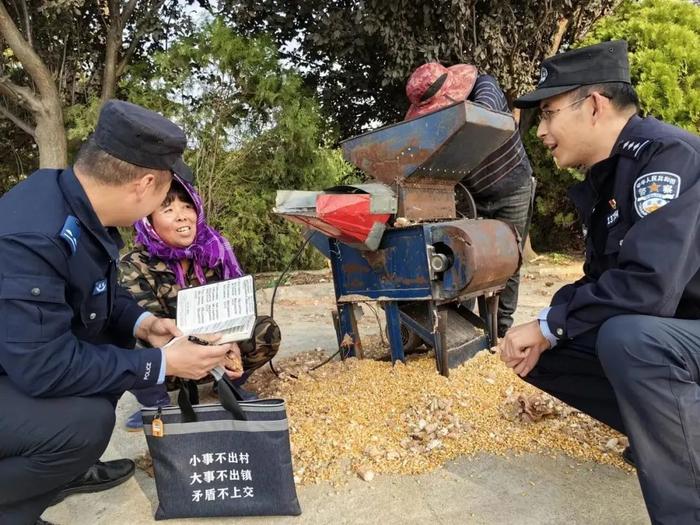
(99, 287)
(655, 190)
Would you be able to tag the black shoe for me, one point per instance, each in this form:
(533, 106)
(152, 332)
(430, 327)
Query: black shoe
(627, 457)
(39, 521)
(247, 395)
(101, 476)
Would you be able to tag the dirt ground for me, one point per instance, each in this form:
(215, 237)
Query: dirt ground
(541, 278)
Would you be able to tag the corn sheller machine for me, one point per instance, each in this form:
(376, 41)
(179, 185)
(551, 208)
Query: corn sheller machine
(397, 239)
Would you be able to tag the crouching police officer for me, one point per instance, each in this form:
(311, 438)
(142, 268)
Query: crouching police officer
(65, 324)
(623, 343)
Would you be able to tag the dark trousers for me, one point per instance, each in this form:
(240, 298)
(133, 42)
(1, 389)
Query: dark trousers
(641, 376)
(45, 444)
(516, 209)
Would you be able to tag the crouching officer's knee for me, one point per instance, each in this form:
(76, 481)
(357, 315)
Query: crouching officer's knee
(90, 420)
(628, 345)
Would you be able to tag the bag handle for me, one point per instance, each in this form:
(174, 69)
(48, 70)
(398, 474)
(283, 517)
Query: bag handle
(187, 396)
(229, 396)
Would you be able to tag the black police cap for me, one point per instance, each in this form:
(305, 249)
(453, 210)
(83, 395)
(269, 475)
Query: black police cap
(141, 137)
(604, 62)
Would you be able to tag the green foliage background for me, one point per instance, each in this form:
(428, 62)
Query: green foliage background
(255, 123)
(664, 43)
(253, 129)
(664, 53)
(359, 54)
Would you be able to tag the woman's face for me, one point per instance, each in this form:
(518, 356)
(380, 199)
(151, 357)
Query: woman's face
(176, 223)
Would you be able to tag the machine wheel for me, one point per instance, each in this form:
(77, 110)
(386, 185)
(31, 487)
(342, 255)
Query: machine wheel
(409, 339)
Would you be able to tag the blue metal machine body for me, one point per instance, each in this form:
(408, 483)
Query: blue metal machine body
(402, 278)
(398, 270)
(421, 160)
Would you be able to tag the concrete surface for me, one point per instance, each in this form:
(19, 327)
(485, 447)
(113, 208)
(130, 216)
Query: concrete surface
(522, 490)
(532, 489)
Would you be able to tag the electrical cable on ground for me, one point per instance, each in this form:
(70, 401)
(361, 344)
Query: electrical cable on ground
(272, 310)
(274, 294)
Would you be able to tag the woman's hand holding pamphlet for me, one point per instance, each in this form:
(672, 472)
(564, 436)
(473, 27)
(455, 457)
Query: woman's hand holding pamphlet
(227, 308)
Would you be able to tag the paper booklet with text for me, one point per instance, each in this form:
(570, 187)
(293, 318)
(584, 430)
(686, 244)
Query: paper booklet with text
(227, 307)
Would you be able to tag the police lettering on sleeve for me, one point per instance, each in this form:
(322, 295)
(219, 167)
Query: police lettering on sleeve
(651, 261)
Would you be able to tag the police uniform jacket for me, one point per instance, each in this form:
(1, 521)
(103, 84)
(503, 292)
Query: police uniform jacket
(640, 210)
(64, 321)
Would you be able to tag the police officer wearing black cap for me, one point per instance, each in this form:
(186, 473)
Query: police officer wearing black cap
(66, 327)
(623, 343)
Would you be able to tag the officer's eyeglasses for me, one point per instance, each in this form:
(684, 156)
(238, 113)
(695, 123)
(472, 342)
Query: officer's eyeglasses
(547, 114)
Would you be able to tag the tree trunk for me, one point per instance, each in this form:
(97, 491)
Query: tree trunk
(45, 106)
(50, 136)
(527, 117)
(119, 15)
(114, 44)
(562, 26)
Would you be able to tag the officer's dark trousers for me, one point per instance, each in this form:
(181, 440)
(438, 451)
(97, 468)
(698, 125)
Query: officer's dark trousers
(45, 444)
(515, 209)
(640, 376)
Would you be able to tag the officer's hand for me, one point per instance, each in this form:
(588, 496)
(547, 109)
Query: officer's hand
(157, 330)
(522, 346)
(193, 361)
(525, 366)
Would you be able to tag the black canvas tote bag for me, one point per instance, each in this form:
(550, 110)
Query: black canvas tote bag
(227, 459)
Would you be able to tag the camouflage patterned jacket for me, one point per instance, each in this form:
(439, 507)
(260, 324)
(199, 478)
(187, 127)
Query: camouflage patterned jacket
(153, 284)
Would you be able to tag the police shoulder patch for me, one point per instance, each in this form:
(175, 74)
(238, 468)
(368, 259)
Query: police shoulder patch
(71, 233)
(633, 146)
(654, 190)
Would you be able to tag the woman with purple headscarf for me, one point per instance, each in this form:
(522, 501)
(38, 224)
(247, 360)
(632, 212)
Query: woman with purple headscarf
(176, 248)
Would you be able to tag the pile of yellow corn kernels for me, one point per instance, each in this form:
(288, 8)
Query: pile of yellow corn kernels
(362, 417)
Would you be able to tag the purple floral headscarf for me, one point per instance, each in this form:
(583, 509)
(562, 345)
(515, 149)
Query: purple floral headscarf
(208, 250)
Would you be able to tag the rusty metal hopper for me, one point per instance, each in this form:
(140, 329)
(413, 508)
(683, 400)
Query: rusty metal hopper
(423, 158)
(445, 144)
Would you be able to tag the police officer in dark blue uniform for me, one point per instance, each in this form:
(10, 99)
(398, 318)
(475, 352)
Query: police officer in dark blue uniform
(623, 343)
(66, 327)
